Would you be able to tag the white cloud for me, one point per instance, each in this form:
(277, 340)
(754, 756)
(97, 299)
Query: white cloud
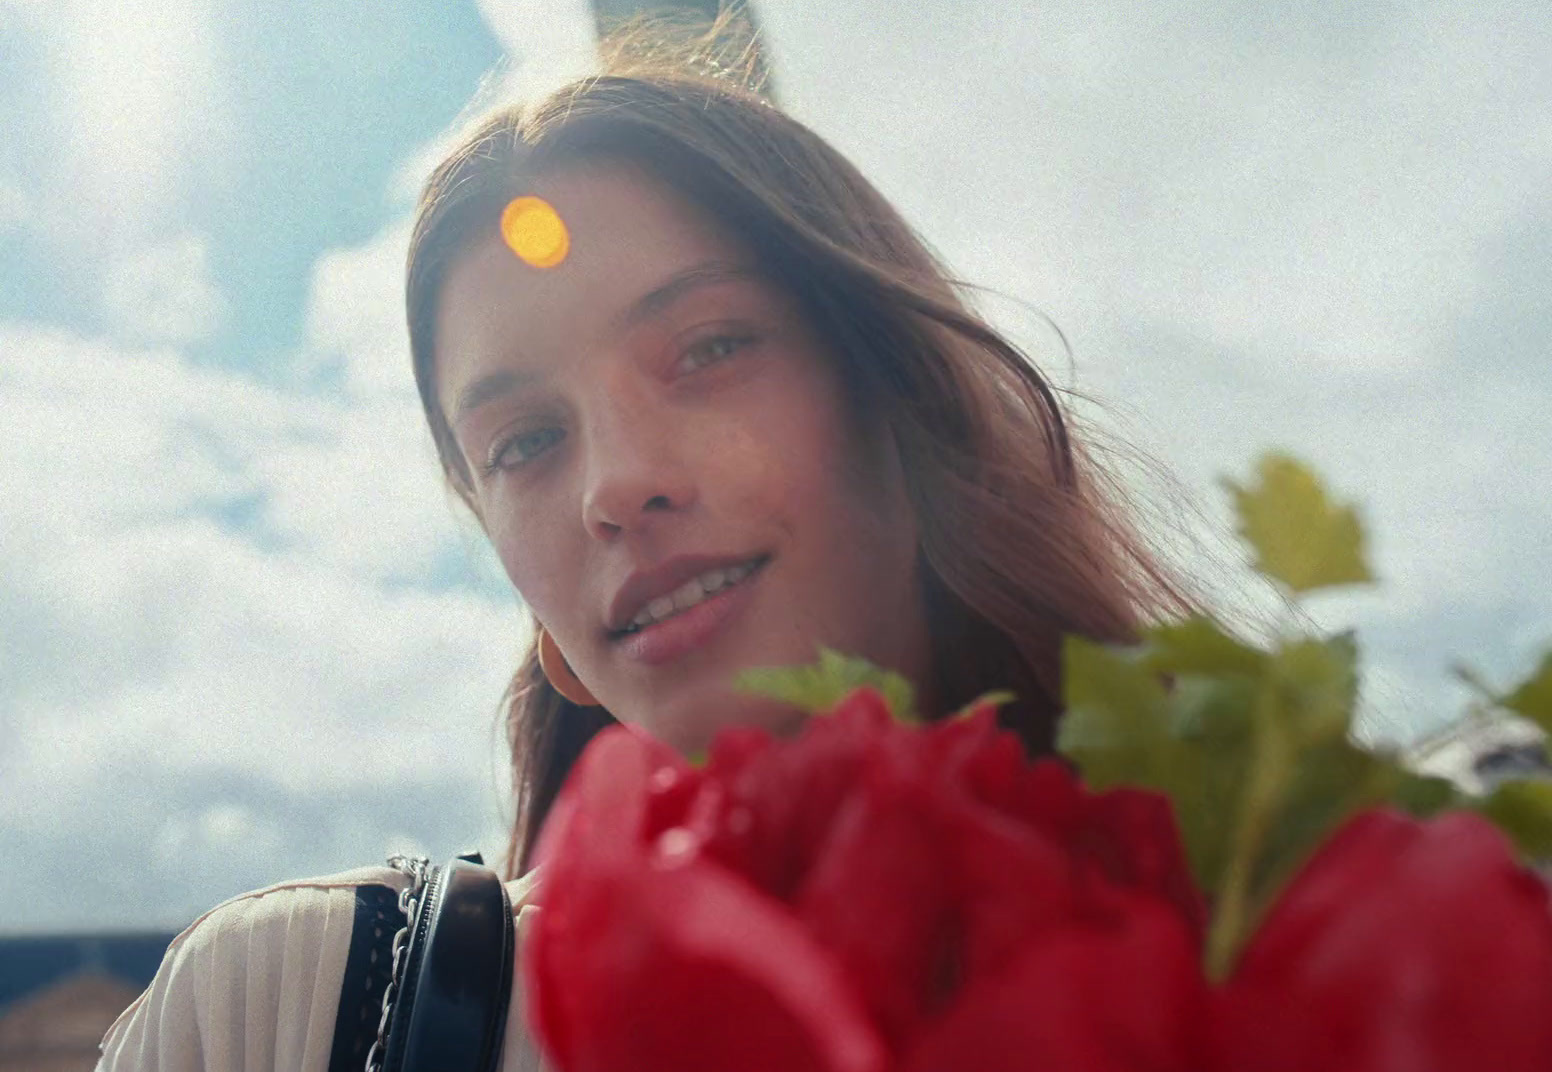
(164, 293)
(355, 325)
(1184, 165)
(141, 95)
(549, 42)
(15, 206)
(171, 611)
(355, 316)
(280, 667)
(125, 109)
(220, 827)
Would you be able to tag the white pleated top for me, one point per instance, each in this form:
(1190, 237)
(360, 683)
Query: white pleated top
(254, 984)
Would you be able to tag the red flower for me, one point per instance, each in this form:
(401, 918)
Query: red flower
(867, 896)
(645, 956)
(1402, 946)
(1122, 998)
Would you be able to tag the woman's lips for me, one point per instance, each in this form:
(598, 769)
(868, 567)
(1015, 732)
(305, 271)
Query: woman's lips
(687, 630)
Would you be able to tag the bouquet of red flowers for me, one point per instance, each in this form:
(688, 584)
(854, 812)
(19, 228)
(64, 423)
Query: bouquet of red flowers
(1237, 887)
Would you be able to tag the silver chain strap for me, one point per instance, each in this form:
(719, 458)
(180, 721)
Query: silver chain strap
(418, 868)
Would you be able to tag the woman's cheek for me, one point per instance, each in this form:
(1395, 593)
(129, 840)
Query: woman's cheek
(748, 475)
(526, 551)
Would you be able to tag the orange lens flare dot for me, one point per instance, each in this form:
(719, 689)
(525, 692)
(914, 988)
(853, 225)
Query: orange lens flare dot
(535, 232)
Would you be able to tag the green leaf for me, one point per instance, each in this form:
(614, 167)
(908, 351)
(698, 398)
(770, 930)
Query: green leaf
(1300, 537)
(1115, 718)
(1198, 645)
(1532, 698)
(1423, 795)
(1302, 778)
(1303, 715)
(1209, 757)
(1123, 726)
(1316, 683)
(1523, 810)
(1208, 711)
(995, 698)
(819, 687)
(1329, 784)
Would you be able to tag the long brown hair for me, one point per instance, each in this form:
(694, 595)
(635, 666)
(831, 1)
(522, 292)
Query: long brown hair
(1022, 538)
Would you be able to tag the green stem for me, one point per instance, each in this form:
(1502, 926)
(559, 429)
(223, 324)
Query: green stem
(1377, 787)
(1231, 915)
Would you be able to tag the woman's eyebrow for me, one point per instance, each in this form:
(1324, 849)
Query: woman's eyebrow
(487, 389)
(657, 300)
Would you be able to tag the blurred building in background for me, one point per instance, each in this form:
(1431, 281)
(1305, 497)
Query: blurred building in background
(59, 994)
(1483, 751)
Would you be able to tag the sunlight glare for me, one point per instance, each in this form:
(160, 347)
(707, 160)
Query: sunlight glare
(535, 232)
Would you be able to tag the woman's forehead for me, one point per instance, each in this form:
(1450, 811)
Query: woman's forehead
(628, 237)
(624, 224)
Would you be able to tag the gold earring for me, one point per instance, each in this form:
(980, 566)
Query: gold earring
(562, 677)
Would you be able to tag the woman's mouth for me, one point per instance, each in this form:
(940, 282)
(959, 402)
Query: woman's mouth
(692, 593)
(673, 624)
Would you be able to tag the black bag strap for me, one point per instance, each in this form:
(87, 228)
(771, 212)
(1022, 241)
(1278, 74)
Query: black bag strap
(368, 967)
(449, 1008)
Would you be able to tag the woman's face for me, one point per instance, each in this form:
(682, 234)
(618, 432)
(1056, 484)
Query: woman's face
(663, 459)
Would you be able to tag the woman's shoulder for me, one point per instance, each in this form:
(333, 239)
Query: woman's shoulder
(254, 982)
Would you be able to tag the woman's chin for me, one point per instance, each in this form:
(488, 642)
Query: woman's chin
(689, 728)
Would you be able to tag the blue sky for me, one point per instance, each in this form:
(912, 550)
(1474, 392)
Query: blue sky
(244, 635)
(298, 115)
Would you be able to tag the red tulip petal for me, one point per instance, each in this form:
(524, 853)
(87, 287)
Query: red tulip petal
(687, 968)
(625, 787)
(877, 895)
(1100, 999)
(1012, 883)
(779, 802)
(1132, 837)
(1402, 945)
(649, 955)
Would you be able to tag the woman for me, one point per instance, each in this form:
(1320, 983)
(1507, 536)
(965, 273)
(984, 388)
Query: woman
(715, 405)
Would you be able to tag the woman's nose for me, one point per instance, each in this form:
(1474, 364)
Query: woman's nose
(637, 469)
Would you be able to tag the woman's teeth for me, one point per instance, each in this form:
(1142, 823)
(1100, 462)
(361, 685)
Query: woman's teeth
(690, 593)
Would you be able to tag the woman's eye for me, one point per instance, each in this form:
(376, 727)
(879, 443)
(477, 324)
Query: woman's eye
(518, 450)
(713, 349)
